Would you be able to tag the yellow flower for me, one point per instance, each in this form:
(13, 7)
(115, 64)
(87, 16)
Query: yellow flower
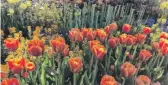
(12, 29)
(13, 1)
(163, 21)
(16, 35)
(37, 29)
(28, 3)
(163, 5)
(11, 11)
(23, 6)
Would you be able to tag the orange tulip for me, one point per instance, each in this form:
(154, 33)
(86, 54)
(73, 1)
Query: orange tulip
(144, 55)
(164, 35)
(113, 42)
(127, 69)
(140, 38)
(161, 42)
(58, 44)
(65, 51)
(35, 47)
(146, 30)
(108, 29)
(30, 66)
(16, 65)
(11, 44)
(98, 51)
(11, 81)
(12, 30)
(130, 40)
(84, 31)
(92, 43)
(90, 35)
(101, 34)
(75, 64)
(142, 80)
(155, 46)
(122, 38)
(108, 80)
(75, 35)
(126, 28)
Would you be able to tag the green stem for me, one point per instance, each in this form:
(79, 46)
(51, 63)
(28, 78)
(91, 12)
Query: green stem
(91, 63)
(161, 61)
(123, 83)
(108, 62)
(74, 78)
(94, 73)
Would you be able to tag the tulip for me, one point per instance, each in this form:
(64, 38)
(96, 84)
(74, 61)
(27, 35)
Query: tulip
(101, 34)
(25, 74)
(12, 30)
(75, 64)
(84, 31)
(155, 46)
(110, 28)
(140, 38)
(161, 42)
(16, 65)
(92, 43)
(130, 40)
(113, 42)
(99, 51)
(164, 35)
(75, 35)
(108, 80)
(10, 81)
(127, 69)
(146, 30)
(126, 28)
(164, 49)
(30, 66)
(144, 55)
(122, 38)
(90, 35)
(142, 80)
(58, 44)
(11, 44)
(65, 51)
(35, 47)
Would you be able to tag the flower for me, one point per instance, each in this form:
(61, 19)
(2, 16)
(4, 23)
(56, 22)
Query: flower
(108, 29)
(142, 80)
(90, 35)
(98, 51)
(65, 51)
(28, 3)
(108, 80)
(126, 28)
(144, 55)
(11, 11)
(101, 34)
(11, 44)
(75, 64)
(155, 46)
(127, 39)
(16, 65)
(163, 5)
(140, 38)
(75, 35)
(146, 30)
(13, 1)
(35, 47)
(84, 31)
(58, 44)
(92, 43)
(161, 42)
(30, 66)
(25, 74)
(127, 69)
(164, 49)
(122, 38)
(23, 6)
(113, 42)
(10, 81)
(164, 35)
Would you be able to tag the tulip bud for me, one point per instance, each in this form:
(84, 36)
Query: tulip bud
(142, 80)
(113, 42)
(126, 28)
(146, 30)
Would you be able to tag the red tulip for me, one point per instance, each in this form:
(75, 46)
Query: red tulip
(90, 35)
(35, 47)
(30, 66)
(164, 35)
(16, 65)
(75, 64)
(126, 28)
(99, 51)
(75, 35)
(144, 55)
(108, 29)
(84, 31)
(11, 44)
(10, 81)
(164, 49)
(127, 69)
(65, 51)
(108, 80)
(58, 44)
(161, 42)
(146, 30)
(113, 42)
(25, 74)
(142, 80)
(140, 38)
